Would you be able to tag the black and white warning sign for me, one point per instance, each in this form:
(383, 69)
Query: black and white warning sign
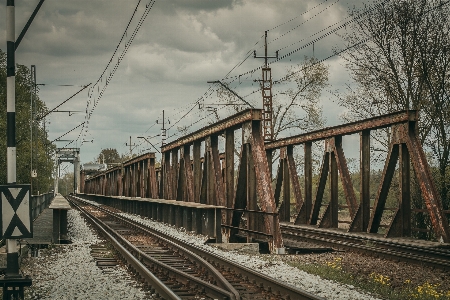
(15, 209)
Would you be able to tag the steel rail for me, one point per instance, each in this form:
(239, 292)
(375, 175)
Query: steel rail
(140, 268)
(223, 290)
(285, 291)
(438, 258)
(218, 277)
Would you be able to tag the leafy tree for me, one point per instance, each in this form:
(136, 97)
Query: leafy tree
(41, 146)
(65, 184)
(109, 156)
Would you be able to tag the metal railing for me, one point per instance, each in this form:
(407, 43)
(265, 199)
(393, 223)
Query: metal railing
(39, 203)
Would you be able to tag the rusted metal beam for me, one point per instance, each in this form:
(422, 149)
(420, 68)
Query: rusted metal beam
(250, 183)
(229, 173)
(345, 129)
(139, 158)
(345, 176)
(210, 177)
(380, 201)
(166, 178)
(216, 128)
(217, 172)
(189, 185)
(401, 222)
(174, 173)
(294, 179)
(360, 220)
(204, 185)
(427, 187)
(320, 189)
(197, 169)
(330, 217)
(285, 208)
(405, 194)
(181, 189)
(252, 202)
(279, 181)
(240, 198)
(304, 211)
(264, 187)
(152, 178)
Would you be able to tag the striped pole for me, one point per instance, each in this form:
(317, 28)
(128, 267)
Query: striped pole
(12, 256)
(11, 92)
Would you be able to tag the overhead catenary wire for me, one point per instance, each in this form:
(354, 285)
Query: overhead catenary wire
(89, 109)
(250, 52)
(336, 53)
(292, 52)
(52, 110)
(353, 18)
(307, 20)
(67, 132)
(309, 10)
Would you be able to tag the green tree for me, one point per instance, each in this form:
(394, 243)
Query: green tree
(109, 156)
(41, 147)
(65, 184)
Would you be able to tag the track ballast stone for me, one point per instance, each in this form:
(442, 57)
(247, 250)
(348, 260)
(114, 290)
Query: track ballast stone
(70, 271)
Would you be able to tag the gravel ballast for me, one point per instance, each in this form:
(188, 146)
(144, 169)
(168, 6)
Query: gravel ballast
(70, 272)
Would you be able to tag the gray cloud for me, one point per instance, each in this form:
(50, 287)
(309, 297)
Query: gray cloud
(181, 45)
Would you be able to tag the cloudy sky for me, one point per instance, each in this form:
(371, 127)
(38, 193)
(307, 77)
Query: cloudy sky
(179, 46)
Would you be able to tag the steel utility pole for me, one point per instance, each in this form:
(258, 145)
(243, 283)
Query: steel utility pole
(131, 145)
(15, 199)
(32, 90)
(266, 87)
(163, 131)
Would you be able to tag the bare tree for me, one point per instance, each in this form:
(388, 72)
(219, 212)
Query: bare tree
(400, 58)
(298, 108)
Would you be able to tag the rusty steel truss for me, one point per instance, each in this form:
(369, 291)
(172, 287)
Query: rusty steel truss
(212, 181)
(134, 178)
(251, 198)
(405, 147)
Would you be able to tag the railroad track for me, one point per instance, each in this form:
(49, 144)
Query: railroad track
(434, 257)
(177, 270)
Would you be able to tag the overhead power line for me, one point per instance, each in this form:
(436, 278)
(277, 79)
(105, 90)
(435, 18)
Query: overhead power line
(67, 132)
(54, 109)
(311, 9)
(108, 77)
(307, 20)
(363, 41)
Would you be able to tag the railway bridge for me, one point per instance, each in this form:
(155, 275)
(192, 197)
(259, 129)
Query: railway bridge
(220, 179)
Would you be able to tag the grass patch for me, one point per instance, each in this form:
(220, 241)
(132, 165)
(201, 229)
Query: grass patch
(375, 284)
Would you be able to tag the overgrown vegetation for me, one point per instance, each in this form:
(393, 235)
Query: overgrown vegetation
(378, 284)
(42, 162)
